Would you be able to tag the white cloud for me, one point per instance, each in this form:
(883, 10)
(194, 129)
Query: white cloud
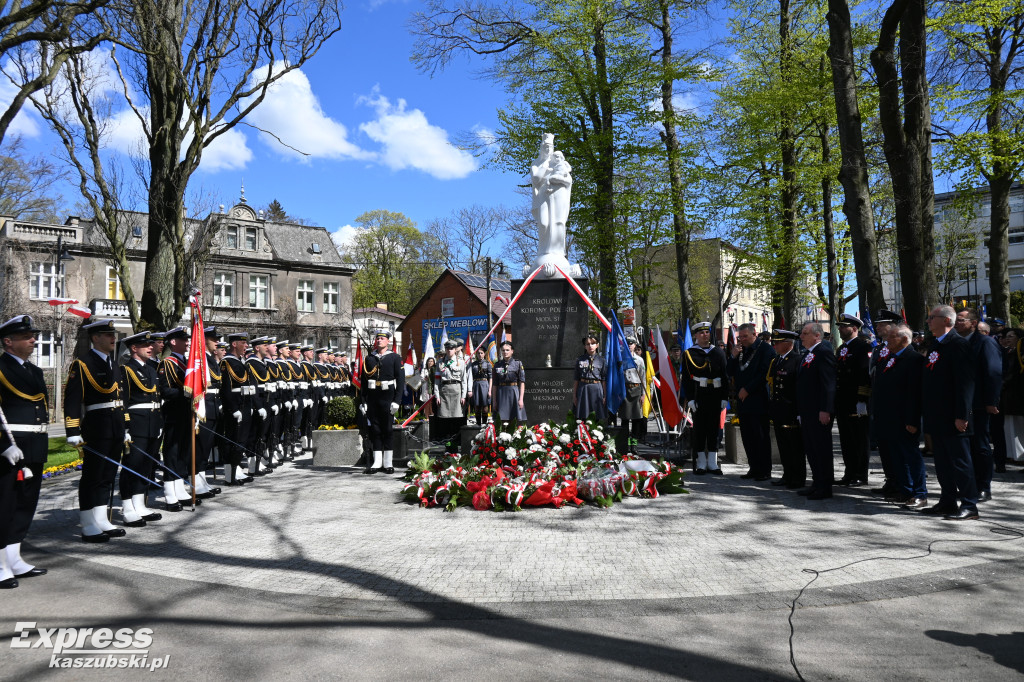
(229, 151)
(344, 237)
(26, 123)
(485, 135)
(292, 112)
(410, 141)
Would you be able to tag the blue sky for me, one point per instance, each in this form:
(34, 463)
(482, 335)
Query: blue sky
(378, 132)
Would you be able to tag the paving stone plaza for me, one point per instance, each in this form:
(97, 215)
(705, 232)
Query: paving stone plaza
(632, 591)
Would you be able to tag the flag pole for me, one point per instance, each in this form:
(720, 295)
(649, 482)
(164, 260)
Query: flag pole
(192, 430)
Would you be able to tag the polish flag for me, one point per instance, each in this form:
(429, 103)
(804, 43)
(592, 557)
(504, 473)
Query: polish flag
(669, 389)
(62, 301)
(410, 361)
(357, 366)
(80, 310)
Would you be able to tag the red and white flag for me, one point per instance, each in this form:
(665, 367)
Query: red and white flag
(668, 388)
(62, 301)
(357, 366)
(195, 365)
(80, 310)
(410, 361)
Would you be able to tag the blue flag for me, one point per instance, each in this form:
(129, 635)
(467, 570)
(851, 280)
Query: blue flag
(870, 327)
(687, 337)
(617, 360)
(680, 336)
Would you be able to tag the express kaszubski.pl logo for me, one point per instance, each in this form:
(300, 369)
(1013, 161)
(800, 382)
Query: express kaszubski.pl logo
(90, 647)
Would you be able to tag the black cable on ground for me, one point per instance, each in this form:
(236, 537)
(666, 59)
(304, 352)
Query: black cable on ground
(998, 529)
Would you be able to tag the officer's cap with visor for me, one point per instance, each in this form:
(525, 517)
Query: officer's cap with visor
(18, 325)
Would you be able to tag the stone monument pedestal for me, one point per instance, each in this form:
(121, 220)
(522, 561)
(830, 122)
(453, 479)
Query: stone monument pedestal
(548, 324)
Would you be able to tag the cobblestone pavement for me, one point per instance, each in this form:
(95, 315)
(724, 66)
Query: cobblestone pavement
(730, 545)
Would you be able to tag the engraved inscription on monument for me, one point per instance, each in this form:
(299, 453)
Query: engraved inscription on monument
(548, 319)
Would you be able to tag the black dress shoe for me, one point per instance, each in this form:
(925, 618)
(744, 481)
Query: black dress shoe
(172, 506)
(716, 472)
(820, 495)
(261, 472)
(215, 491)
(141, 523)
(938, 510)
(780, 481)
(372, 470)
(856, 483)
(984, 496)
(700, 472)
(31, 573)
(8, 584)
(115, 533)
(388, 470)
(749, 474)
(916, 504)
(102, 537)
(152, 517)
(963, 515)
(205, 496)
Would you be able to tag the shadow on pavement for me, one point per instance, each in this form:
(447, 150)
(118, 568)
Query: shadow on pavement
(1006, 650)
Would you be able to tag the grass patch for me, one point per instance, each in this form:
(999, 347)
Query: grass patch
(60, 453)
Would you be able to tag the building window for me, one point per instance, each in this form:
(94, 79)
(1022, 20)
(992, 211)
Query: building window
(250, 239)
(258, 291)
(330, 297)
(309, 341)
(304, 296)
(232, 236)
(114, 284)
(223, 286)
(44, 354)
(43, 281)
(447, 307)
(334, 342)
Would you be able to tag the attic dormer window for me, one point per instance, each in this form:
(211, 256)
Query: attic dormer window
(250, 238)
(314, 247)
(137, 231)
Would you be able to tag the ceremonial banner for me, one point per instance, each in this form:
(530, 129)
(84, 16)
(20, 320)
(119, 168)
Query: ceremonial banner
(357, 367)
(670, 409)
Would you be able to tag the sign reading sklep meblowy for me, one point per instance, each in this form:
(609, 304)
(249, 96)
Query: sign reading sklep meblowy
(90, 647)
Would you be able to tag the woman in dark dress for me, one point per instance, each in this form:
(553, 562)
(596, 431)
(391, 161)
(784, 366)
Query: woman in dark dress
(588, 390)
(508, 387)
(481, 368)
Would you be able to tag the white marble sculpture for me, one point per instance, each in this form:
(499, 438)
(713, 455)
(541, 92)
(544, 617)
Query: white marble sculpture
(552, 185)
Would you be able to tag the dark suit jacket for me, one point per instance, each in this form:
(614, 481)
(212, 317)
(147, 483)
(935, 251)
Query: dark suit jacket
(853, 377)
(816, 383)
(895, 395)
(947, 385)
(23, 399)
(754, 378)
(988, 369)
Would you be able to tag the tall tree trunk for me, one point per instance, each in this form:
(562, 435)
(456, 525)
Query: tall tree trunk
(604, 209)
(680, 228)
(834, 303)
(1000, 181)
(904, 160)
(853, 172)
(786, 274)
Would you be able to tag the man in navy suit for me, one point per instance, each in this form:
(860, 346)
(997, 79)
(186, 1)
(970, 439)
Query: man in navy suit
(748, 368)
(816, 395)
(947, 397)
(988, 382)
(896, 418)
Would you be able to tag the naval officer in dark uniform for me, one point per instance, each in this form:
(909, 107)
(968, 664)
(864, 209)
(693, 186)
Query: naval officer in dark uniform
(23, 400)
(141, 393)
(588, 389)
(94, 419)
(948, 394)
(236, 397)
(782, 408)
(383, 382)
(706, 386)
(816, 395)
(748, 367)
(207, 439)
(853, 391)
(177, 413)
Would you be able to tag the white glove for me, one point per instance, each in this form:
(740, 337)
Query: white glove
(237, 415)
(692, 405)
(263, 413)
(127, 437)
(295, 404)
(362, 408)
(75, 441)
(160, 433)
(345, 384)
(798, 420)
(725, 403)
(862, 409)
(324, 399)
(13, 454)
(394, 408)
(275, 409)
(306, 402)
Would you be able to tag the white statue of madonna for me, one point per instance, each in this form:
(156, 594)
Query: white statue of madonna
(551, 177)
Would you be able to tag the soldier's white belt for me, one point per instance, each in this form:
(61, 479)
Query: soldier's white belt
(103, 406)
(374, 384)
(271, 387)
(304, 385)
(248, 390)
(144, 406)
(27, 428)
(237, 390)
(212, 391)
(704, 382)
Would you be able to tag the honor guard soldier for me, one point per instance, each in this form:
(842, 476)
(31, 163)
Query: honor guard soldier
(94, 419)
(23, 401)
(141, 394)
(347, 389)
(482, 369)
(383, 381)
(236, 396)
(300, 393)
(588, 388)
(177, 413)
(816, 395)
(206, 438)
(748, 367)
(259, 379)
(325, 377)
(782, 379)
(706, 386)
(309, 377)
(853, 391)
(279, 372)
(158, 339)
